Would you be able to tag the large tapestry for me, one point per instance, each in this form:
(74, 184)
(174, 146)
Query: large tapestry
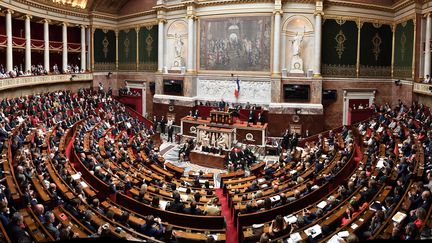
(339, 48)
(127, 49)
(104, 50)
(235, 43)
(376, 50)
(403, 51)
(148, 47)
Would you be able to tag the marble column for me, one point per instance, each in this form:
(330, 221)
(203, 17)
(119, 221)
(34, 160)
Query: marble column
(117, 50)
(65, 48)
(427, 62)
(276, 42)
(28, 44)
(161, 45)
(83, 48)
(317, 41)
(9, 50)
(190, 52)
(88, 66)
(46, 46)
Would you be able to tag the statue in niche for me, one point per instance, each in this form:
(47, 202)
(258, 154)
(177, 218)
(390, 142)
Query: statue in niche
(296, 60)
(297, 44)
(178, 45)
(178, 48)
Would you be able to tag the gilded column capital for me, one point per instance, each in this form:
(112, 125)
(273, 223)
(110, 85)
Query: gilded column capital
(137, 28)
(277, 11)
(191, 16)
(359, 23)
(8, 11)
(116, 31)
(28, 16)
(161, 20)
(426, 15)
(318, 12)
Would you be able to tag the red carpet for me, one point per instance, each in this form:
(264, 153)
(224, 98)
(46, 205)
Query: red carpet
(231, 231)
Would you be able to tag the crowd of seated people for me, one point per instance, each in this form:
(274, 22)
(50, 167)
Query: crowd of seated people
(394, 143)
(36, 70)
(38, 124)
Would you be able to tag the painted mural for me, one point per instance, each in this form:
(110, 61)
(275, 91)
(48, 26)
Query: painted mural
(235, 43)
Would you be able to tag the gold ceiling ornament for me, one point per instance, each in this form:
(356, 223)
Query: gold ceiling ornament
(403, 41)
(105, 44)
(73, 3)
(340, 21)
(149, 27)
(404, 23)
(377, 25)
(105, 31)
(340, 40)
(126, 47)
(376, 42)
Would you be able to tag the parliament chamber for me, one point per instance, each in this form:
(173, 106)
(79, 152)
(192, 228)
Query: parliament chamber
(215, 120)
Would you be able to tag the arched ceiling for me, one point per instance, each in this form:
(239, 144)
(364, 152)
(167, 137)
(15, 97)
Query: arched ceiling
(133, 6)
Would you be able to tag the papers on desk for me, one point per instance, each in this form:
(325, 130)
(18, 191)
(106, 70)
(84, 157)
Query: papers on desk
(343, 234)
(335, 239)
(275, 198)
(399, 217)
(292, 172)
(181, 189)
(261, 180)
(314, 187)
(313, 231)
(294, 237)
(322, 204)
(264, 186)
(374, 206)
(324, 156)
(354, 226)
(290, 219)
(83, 184)
(162, 204)
(380, 163)
(202, 181)
(76, 176)
(184, 197)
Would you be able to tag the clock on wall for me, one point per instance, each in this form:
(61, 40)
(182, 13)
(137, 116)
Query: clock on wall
(295, 118)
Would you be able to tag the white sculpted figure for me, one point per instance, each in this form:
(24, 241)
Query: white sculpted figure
(178, 45)
(296, 60)
(297, 44)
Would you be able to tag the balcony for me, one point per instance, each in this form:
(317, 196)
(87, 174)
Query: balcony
(9, 83)
(421, 88)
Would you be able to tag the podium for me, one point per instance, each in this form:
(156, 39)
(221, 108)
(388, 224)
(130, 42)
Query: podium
(223, 117)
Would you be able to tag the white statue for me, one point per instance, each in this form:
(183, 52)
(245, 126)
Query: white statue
(178, 45)
(297, 44)
(296, 60)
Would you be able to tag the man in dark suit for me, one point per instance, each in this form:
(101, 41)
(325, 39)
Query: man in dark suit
(261, 117)
(251, 117)
(15, 229)
(193, 209)
(163, 122)
(170, 133)
(49, 225)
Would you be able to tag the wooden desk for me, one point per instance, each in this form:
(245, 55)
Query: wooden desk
(242, 129)
(207, 159)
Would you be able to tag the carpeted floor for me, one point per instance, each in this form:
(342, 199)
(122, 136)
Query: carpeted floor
(231, 231)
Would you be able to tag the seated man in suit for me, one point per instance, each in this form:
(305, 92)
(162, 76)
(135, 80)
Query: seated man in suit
(251, 118)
